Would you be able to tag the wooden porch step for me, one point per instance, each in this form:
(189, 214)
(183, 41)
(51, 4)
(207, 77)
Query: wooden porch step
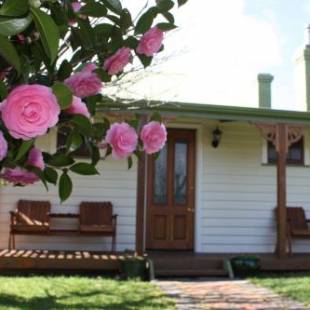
(191, 273)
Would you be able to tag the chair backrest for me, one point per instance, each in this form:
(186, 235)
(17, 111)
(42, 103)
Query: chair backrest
(96, 213)
(296, 218)
(33, 212)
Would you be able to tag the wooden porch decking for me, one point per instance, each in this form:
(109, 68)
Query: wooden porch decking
(60, 260)
(165, 263)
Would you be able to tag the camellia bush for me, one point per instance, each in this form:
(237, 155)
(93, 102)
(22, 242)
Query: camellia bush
(55, 59)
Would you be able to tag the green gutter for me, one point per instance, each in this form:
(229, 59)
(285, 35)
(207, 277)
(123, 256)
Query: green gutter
(206, 111)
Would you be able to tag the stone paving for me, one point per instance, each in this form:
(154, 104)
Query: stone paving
(225, 295)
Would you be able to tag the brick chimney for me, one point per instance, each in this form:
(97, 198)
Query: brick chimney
(264, 90)
(302, 72)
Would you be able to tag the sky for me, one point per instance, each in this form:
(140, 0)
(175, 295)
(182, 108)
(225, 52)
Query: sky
(220, 47)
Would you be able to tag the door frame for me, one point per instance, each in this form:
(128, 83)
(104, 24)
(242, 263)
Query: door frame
(201, 140)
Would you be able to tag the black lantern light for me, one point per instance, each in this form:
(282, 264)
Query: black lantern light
(217, 135)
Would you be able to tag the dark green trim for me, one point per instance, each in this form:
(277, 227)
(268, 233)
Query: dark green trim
(206, 111)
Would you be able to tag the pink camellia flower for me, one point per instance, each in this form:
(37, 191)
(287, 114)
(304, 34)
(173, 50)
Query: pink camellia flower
(21, 176)
(90, 67)
(153, 136)
(151, 42)
(29, 111)
(35, 158)
(117, 62)
(3, 146)
(76, 6)
(84, 83)
(78, 107)
(123, 139)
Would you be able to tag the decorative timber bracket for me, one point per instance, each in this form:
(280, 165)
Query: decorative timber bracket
(270, 132)
(282, 136)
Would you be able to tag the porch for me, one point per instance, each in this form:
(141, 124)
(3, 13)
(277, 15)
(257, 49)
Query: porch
(170, 263)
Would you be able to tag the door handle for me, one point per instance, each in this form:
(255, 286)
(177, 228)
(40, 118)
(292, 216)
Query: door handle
(190, 210)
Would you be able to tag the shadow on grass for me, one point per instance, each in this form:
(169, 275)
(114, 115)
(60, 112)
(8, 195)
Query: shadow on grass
(116, 302)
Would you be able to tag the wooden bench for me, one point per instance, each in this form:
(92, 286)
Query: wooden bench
(96, 218)
(30, 218)
(297, 225)
(33, 218)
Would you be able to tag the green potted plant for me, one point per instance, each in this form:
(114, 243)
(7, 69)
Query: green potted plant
(133, 267)
(245, 264)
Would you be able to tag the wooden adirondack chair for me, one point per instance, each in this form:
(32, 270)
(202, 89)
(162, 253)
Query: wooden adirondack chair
(31, 217)
(96, 218)
(297, 225)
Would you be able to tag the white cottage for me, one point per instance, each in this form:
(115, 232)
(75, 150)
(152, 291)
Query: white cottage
(213, 190)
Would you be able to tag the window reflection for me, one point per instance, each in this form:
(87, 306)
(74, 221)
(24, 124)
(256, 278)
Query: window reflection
(180, 172)
(160, 178)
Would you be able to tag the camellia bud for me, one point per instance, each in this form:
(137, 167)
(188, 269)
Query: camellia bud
(35, 3)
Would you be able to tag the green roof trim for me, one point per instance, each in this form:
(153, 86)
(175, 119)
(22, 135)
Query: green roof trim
(207, 111)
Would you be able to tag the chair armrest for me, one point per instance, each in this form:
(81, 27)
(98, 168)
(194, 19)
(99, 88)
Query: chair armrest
(13, 215)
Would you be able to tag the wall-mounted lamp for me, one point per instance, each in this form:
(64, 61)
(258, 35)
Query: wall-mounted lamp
(217, 135)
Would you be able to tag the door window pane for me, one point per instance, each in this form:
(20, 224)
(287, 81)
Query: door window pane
(180, 172)
(160, 178)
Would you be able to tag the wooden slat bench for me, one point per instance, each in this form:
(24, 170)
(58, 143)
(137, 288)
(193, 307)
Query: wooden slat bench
(33, 218)
(30, 218)
(297, 223)
(96, 218)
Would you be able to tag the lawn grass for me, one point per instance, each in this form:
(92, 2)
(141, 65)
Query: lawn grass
(293, 285)
(45, 293)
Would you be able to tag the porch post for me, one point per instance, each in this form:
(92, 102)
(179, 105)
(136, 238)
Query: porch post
(141, 187)
(282, 148)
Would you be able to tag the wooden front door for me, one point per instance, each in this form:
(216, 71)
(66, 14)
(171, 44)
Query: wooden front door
(170, 195)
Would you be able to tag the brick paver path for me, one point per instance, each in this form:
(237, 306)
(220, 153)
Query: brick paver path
(225, 295)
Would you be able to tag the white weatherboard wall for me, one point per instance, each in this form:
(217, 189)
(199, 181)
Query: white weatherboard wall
(116, 184)
(239, 193)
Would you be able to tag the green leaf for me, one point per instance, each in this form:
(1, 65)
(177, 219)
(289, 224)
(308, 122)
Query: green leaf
(145, 60)
(23, 149)
(130, 162)
(113, 5)
(64, 70)
(65, 187)
(95, 154)
(60, 160)
(146, 20)
(94, 9)
(181, 2)
(165, 5)
(83, 123)
(156, 117)
(104, 76)
(125, 20)
(3, 90)
(63, 94)
(9, 53)
(50, 175)
(49, 33)
(166, 26)
(14, 8)
(74, 141)
(99, 130)
(39, 173)
(13, 26)
(169, 17)
(84, 169)
(131, 42)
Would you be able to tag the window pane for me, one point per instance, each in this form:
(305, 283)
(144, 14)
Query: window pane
(160, 178)
(180, 172)
(294, 156)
